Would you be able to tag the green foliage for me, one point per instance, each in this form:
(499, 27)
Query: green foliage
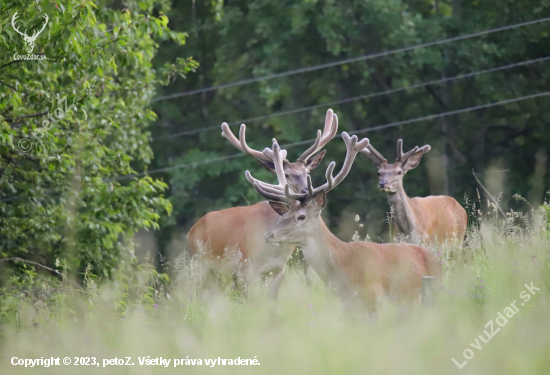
(309, 330)
(73, 128)
(131, 284)
(259, 38)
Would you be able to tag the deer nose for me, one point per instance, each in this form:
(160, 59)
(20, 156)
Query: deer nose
(382, 183)
(269, 236)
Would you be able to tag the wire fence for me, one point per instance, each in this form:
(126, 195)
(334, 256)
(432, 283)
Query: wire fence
(362, 131)
(294, 144)
(349, 100)
(351, 60)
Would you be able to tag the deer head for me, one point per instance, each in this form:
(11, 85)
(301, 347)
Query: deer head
(299, 212)
(391, 175)
(294, 173)
(29, 40)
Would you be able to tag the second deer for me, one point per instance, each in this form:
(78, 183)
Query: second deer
(361, 271)
(435, 218)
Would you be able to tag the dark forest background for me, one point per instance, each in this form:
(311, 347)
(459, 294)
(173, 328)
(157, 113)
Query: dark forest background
(140, 152)
(238, 40)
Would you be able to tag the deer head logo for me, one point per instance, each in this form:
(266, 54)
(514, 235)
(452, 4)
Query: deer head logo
(29, 40)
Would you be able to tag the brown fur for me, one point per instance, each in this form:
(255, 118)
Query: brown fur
(371, 270)
(357, 270)
(439, 217)
(243, 228)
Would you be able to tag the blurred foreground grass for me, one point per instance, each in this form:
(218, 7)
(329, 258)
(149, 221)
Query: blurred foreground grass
(306, 331)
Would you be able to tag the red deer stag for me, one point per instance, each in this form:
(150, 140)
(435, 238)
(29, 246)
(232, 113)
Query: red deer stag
(362, 271)
(244, 227)
(436, 218)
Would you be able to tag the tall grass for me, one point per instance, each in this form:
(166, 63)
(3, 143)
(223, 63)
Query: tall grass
(142, 313)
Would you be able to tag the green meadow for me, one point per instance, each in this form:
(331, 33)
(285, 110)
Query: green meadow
(147, 315)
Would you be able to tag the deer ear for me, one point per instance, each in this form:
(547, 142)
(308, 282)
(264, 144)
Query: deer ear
(280, 208)
(267, 165)
(316, 160)
(320, 200)
(414, 160)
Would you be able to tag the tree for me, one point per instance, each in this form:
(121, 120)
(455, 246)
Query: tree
(255, 39)
(74, 127)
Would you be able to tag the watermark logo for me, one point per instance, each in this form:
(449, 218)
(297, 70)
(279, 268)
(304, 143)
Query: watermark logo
(26, 144)
(29, 40)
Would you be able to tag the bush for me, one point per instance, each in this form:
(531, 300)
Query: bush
(73, 127)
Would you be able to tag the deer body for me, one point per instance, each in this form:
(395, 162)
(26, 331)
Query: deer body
(243, 228)
(436, 218)
(368, 271)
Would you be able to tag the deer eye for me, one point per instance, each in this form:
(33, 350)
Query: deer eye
(301, 217)
(399, 172)
(379, 173)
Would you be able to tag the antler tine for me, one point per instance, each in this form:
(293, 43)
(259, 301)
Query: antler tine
(301, 196)
(240, 143)
(403, 157)
(273, 192)
(310, 185)
(310, 151)
(228, 134)
(329, 120)
(409, 154)
(372, 153)
(277, 156)
(330, 179)
(294, 196)
(272, 196)
(399, 150)
(352, 148)
(425, 148)
(248, 150)
(329, 132)
(265, 185)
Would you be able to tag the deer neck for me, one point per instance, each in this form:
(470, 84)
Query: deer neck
(320, 250)
(403, 216)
